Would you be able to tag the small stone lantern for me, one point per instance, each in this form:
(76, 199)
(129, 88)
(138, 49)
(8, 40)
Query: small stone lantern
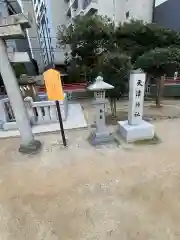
(101, 134)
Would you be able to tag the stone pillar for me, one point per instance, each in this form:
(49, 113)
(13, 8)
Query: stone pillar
(100, 116)
(135, 128)
(31, 114)
(102, 133)
(28, 144)
(136, 97)
(3, 117)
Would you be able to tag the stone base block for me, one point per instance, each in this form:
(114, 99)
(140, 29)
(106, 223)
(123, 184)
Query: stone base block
(32, 148)
(132, 133)
(10, 126)
(100, 138)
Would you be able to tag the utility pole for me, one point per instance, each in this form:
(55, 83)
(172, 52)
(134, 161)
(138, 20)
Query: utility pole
(10, 28)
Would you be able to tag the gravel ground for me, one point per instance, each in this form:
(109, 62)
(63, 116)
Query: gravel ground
(114, 192)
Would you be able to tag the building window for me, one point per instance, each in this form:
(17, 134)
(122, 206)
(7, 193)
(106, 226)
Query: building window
(127, 14)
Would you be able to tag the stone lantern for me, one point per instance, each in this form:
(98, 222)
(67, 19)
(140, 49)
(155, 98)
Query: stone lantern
(101, 134)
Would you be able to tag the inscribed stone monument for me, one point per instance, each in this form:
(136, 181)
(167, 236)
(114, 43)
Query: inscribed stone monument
(135, 128)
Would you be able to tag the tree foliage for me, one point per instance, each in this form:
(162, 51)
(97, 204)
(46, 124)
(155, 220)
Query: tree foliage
(88, 38)
(159, 62)
(135, 38)
(98, 46)
(19, 69)
(92, 36)
(115, 69)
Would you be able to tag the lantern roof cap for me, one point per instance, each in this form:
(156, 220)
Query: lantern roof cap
(99, 84)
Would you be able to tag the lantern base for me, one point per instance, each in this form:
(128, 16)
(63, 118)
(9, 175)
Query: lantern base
(132, 133)
(101, 138)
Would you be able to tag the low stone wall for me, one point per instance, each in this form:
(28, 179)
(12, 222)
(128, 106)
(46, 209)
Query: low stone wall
(42, 112)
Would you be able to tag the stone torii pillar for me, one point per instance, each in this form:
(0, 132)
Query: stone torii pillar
(12, 28)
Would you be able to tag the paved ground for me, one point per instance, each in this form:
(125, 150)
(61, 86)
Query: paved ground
(169, 109)
(86, 193)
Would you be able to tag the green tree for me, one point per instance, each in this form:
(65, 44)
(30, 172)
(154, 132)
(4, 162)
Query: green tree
(115, 69)
(135, 38)
(19, 69)
(89, 37)
(158, 63)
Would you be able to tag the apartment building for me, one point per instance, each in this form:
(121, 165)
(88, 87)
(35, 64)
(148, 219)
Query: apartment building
(117, 10)
(31, 42)
(166, 13)
(9, 7)
(50, 14)
(44, 28)
(32, 34)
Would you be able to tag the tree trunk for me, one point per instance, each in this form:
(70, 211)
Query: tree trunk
(113, 107)
(115, 110)
(159, 90)
(148, 76)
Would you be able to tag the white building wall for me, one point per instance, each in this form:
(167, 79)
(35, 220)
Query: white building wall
(57, 17)
(118, 10)
(3, 14)
(140, 9)
(32, 34)
(106, 9)
(20, 3)
(159, 2)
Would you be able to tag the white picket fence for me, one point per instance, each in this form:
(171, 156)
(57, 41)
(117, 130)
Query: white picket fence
(42, 112)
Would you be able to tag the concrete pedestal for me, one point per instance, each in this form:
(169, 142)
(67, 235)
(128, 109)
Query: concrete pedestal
(100, 138)
(32, 148)
(132, 133)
